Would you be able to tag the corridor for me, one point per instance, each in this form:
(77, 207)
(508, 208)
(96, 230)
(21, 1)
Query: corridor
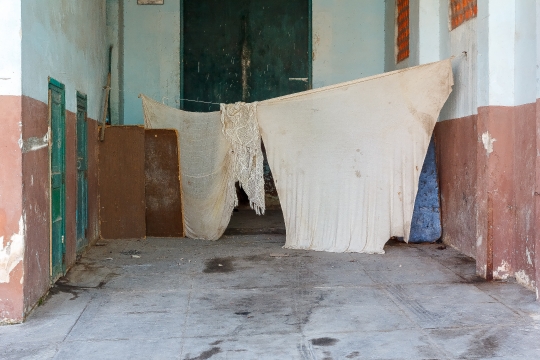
(245, 297)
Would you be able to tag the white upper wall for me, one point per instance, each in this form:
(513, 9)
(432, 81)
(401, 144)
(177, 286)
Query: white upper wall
(429, 36)
(525, 59)
(496, 26)
(506, 52)
(501, 65)
(151, 56)
(538, 49)
(462, 44)
(348, 40)
(10, 47)
(66, 40)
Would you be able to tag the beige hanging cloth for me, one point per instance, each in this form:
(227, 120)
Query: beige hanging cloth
(346, 159)
(208, 191)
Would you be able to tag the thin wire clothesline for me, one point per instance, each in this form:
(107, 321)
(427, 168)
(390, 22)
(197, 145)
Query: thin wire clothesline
(199, 101)
(453, 57)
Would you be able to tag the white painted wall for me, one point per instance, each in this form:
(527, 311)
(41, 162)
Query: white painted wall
(431, 40)
(538, 57)
(66, 40)
(151, 56)
(10, 47)
(507, 52)
(496, 28)
(463, 99)
(348, 40)
(429, 36)
(525, 48)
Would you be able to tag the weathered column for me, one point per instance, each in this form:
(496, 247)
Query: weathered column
(12, 220)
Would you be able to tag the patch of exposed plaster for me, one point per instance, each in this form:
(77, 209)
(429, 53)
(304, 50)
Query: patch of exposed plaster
(529, 260)
(524, 279)
(12, 253)
(479, 241)
(502, 271)
(488, 141)
(35, 143)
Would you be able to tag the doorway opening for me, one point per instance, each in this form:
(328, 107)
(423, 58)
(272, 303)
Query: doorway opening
(247, 50)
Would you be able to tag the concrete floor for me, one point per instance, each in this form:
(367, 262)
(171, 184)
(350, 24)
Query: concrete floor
(240, 298)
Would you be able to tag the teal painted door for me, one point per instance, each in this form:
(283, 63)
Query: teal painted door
(244, 50)
(82, 173)
(57, 116)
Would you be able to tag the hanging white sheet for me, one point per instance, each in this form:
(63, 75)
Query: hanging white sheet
(208, 194)
(346, 159)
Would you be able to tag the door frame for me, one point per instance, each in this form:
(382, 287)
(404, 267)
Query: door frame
(310, 49)
(82, 105)
(55, 83)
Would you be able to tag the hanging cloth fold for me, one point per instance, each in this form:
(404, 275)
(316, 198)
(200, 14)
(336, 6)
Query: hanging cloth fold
(208, 190)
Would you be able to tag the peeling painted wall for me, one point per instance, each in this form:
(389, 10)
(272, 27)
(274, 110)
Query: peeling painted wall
(11, 252)
(12, 225)
(65, 39)
(12, 239)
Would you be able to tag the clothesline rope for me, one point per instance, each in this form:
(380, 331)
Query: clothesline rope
(197, 101)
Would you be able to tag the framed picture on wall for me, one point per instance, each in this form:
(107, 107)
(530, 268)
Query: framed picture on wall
(150, 2)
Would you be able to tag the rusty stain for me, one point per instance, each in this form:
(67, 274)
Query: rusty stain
(162, 184)
(122, 189)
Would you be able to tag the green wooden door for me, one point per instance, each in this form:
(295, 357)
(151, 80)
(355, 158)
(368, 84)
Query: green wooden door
(58, 193)
(244, 50)
(82, 173)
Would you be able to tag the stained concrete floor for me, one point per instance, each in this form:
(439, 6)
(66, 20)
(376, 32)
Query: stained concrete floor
(242, 298)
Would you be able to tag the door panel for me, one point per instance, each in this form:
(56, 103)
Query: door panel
(244, 50)
(58, 197)
(82, 173)
(211, 59)
(279, 48)
(162, 184)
